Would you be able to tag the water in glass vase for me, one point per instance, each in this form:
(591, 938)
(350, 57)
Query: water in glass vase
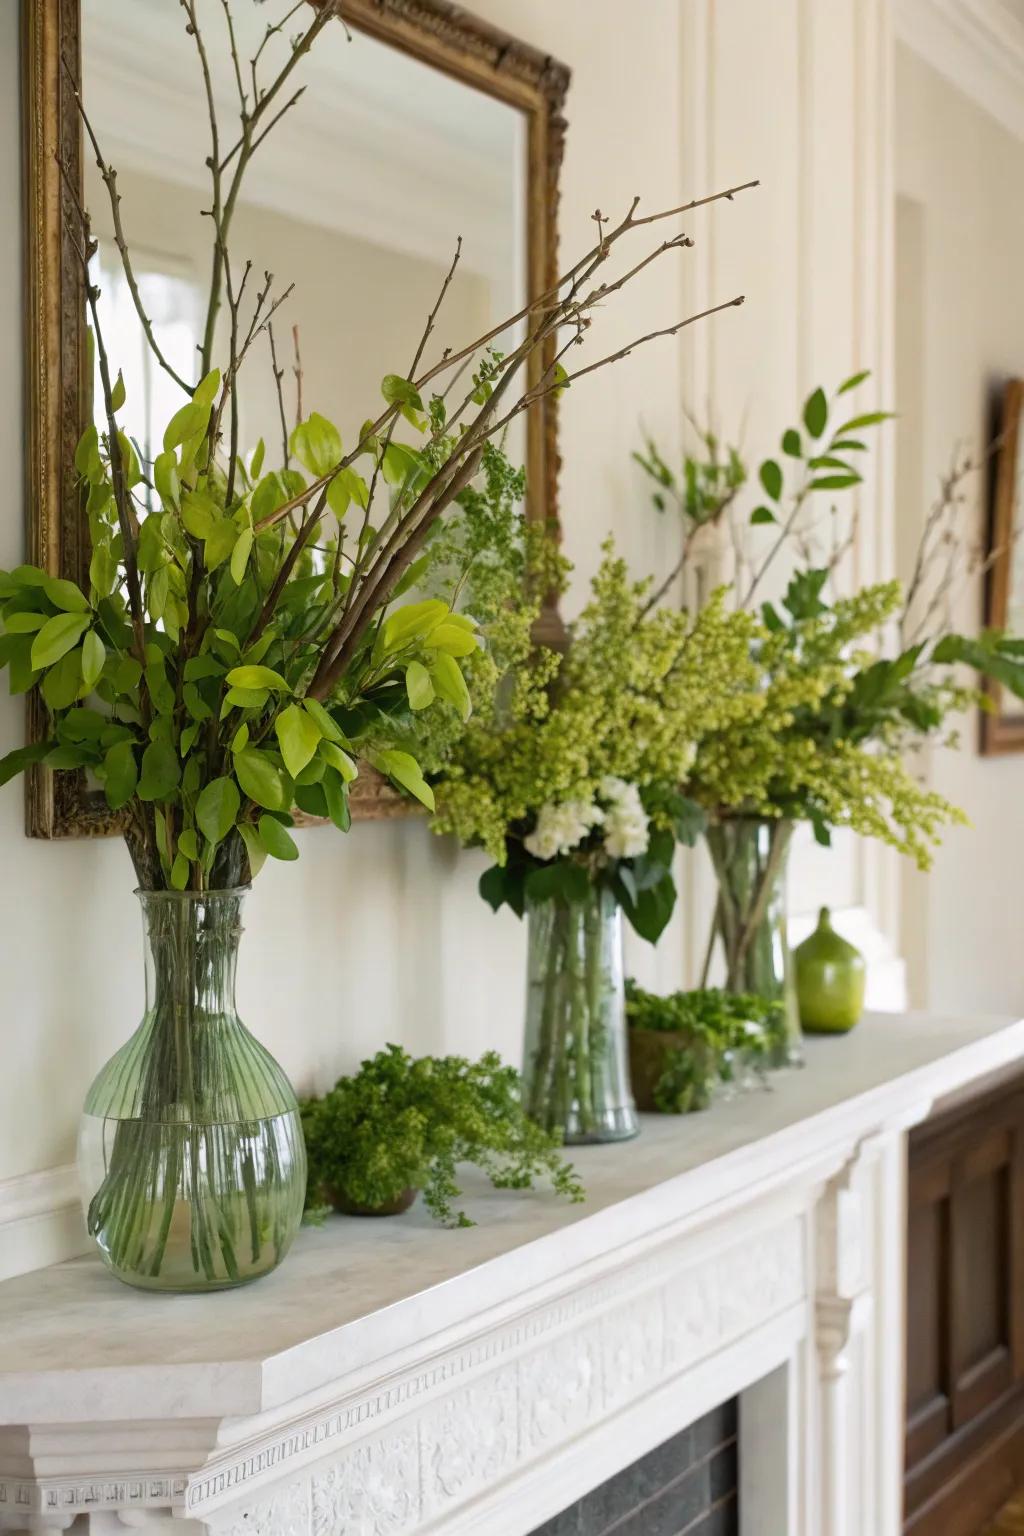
(191, 1157)
(575, 1064)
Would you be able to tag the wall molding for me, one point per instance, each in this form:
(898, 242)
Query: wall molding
(978, 45)
(40, 1220)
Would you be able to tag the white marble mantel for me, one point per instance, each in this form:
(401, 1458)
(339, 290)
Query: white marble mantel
(396, 1378)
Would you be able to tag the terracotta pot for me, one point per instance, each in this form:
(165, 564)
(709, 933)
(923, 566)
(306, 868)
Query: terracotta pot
(395, 1207)
(649, 1052)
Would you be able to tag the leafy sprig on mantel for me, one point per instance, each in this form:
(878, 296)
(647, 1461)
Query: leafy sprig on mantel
(404, 1123)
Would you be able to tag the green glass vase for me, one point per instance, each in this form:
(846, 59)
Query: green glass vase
(191, 1157)
(830, 980)
(575, 1066)
(749, 856)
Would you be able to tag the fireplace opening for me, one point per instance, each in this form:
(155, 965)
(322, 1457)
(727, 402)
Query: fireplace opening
(686, 1487)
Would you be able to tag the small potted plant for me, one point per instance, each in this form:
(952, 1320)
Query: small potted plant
(681, 1047)
(401, 1124)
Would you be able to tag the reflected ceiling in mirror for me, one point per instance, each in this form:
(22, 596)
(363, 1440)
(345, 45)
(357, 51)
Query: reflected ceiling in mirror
(418, 124)
(355, 200)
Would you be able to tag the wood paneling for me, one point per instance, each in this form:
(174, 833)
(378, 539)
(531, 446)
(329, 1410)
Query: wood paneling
(965, 1315)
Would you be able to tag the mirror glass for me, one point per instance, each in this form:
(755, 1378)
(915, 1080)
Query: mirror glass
(357, 198)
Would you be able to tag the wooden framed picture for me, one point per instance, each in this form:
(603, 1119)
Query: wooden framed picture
(1002, 727)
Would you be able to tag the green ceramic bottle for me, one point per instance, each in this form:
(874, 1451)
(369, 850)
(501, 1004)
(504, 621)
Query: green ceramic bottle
(830, 977)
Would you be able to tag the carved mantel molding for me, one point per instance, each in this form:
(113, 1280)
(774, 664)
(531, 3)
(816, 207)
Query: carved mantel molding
(756, 1251)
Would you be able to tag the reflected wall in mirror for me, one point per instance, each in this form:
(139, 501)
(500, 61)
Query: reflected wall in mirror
(417, 126)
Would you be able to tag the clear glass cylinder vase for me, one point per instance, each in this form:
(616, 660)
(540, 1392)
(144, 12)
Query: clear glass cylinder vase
(750, 857)
(575, 1061)
(191, 1158)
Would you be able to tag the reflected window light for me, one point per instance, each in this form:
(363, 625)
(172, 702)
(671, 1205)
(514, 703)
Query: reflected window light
(171, 298)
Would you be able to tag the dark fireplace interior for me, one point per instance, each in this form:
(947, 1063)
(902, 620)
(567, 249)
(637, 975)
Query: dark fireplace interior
(686, 1487)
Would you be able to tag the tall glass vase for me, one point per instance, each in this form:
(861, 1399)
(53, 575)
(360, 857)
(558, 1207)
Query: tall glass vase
(575, 1063)
(191, 1157)
(749, 857)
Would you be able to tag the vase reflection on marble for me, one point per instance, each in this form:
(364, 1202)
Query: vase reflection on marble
(191, 1157)
(575, 1061)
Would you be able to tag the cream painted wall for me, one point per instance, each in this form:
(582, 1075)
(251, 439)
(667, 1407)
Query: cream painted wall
(961, 253)
(380, 935)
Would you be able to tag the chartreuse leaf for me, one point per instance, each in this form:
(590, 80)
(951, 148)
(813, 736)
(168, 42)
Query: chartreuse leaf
(216, 809)
(189, 843)
(205, 391)
(339, 760)
(240, 555)
(298, 735)
(63, 682)
(257, 677)
(165, 478)
(348, 485)
(403, 768)
(179, 872)
(418, 686)
(220, 543)
(276, 839)
(256, 462)
(57, 636)
(253, 847)
(118, 394)
(328, 725)
(316, 443)
(404, 394)
(872, 419)
(452, 637)
(65, 595)
(191, 420)
(410, 623)
(17, 761)
(94, 655)
(450, 684)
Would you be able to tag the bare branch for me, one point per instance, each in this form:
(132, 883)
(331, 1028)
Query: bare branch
(109, 176)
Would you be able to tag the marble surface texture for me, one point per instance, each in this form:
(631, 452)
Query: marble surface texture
(79, 1347)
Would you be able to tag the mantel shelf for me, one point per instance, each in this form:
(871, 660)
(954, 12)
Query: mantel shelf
(78, 1347)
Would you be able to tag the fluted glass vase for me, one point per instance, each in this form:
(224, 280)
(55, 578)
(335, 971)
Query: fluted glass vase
(191, 1157)
(575, 1062)
(749, 857)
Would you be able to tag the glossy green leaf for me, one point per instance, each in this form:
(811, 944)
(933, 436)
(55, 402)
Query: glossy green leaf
(62, 683)
(188, 422)
(405, 770)
(328, 725)
(57, 636)
(451, 637)
(205, 391)
(261, 779)
(277, 840)
(336, 798)
(298, 736)
(339, 760)
(121, 774)
(316, 443)
(161, 771)
(94, 655)
(217, 808)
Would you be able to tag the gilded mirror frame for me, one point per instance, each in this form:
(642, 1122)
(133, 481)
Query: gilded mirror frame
(438, 33)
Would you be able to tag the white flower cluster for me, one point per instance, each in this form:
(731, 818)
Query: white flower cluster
(561, 828)
(626, 823)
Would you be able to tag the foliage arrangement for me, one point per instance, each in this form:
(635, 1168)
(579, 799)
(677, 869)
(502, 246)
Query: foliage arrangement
(236, 646)
(402, 1124)
(569, 775)
(722, 1030)
(847, 685)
